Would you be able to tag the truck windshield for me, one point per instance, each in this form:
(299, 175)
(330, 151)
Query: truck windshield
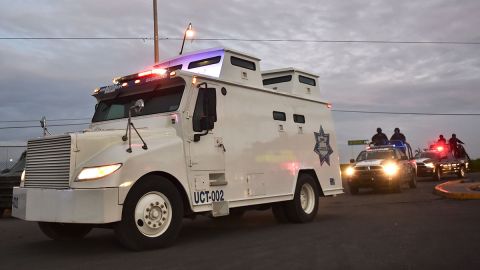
(427, 155)
(157, 101)
(366, 155)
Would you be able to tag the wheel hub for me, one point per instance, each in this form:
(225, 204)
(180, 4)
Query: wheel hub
(307, 198)
(153, 214)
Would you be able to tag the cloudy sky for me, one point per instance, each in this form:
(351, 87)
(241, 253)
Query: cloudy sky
(56, 77)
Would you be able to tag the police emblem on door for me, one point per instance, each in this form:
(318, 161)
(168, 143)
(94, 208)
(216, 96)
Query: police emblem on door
(322, 146)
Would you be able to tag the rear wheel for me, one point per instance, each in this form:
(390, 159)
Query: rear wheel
(152, 215)
(2, 210)
(304, 205)
(64, 231)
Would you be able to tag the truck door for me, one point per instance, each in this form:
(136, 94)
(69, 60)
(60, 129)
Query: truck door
(207, 152)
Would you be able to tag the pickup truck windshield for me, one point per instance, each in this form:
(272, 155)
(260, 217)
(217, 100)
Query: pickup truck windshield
(366, 155)
(156, 101)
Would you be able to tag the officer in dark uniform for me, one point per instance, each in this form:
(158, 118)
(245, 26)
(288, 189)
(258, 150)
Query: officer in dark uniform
(453, 142)
(441, 140)
(380, 138)
(397, 136)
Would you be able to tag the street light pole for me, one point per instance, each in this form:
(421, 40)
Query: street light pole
(188, 32)
(155, 30)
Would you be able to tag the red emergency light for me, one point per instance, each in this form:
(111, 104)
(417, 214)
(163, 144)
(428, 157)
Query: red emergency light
(156, 71)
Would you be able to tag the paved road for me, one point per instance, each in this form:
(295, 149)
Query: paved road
(411, 230)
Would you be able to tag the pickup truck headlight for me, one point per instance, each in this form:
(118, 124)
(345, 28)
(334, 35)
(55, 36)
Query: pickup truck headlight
(98, 172)
(390, 169)
(350, 171)
(429, 165)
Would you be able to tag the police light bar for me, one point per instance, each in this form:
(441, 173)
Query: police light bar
(148, 73)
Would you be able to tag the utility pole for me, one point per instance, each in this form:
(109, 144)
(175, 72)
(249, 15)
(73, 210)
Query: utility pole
(155, 30)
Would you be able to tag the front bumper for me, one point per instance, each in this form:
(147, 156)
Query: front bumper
(425, 171)
(92, 206)
(373, 181)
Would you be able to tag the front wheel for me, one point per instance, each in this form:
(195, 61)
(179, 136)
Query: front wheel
(353, 189)
(304, 205)
(461, 172)
(152, 215)
(437, 174)
(413, 181)
(64, 231)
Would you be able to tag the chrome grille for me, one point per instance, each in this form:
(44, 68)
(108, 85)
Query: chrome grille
(48, 162)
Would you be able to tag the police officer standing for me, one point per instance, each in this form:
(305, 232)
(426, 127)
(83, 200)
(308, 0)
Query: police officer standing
(441, 140)
(380, 138)
(453, 142)
(397, 136)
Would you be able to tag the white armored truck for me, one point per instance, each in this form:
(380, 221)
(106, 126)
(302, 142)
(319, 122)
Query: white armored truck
(204, 133)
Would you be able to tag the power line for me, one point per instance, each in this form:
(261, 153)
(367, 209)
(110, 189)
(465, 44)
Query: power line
(410, 113)
(254, 40)
(49, 120)
(58, 125)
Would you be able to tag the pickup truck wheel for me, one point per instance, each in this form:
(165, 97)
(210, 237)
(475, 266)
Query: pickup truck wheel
(437, 175)
(461, 172)
(413, 181)
(152, 215)
(64, 231)
(304, 205)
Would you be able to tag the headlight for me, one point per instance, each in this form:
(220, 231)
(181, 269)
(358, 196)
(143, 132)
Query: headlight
(429, 165)
(98, 172)
(22, 177)
(350, 171)
(390, 169)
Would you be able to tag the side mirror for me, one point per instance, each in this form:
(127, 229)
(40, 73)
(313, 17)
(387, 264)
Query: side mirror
(352, 160)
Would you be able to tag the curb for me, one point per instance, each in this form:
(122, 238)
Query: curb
(472, 195)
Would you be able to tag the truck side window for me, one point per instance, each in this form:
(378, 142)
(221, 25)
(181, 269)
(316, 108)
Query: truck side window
(199, 111)
(280, 116)
(298, 118)
(205, 114)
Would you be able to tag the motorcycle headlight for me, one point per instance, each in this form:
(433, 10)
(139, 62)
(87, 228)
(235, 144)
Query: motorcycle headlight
(98, 172)
(390, 169)
(350, 171)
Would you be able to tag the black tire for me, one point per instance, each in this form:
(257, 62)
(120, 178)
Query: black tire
(413, 181)
(2, 210)
(353, 189)
(461, 172)
(279, 213)
(437, 175)
(64, 231)
(295, 212)
(127, 232)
